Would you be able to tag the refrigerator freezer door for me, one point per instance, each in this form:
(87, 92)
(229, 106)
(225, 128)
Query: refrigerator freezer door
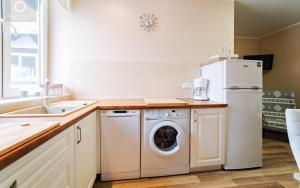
(243, 74)
(244, 129)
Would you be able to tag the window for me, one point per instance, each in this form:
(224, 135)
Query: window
(23, 47)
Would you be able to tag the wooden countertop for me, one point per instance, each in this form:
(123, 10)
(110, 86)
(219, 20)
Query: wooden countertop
(71, 119)
(65, 122)
(112, 104)
(165, 103)
(115, 104)
(203, 104)
(14, 135)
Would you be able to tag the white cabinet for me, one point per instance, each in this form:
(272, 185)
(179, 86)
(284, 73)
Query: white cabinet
(50, 165)
(98, 142)
(66, 160)
(207, 137)
(85, 152)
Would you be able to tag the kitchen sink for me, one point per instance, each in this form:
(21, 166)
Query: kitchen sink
(58, 109)
(45, 110)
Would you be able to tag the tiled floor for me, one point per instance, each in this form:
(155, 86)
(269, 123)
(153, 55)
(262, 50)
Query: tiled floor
(279, 166)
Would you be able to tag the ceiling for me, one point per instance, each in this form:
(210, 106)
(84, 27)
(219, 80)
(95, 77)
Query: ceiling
(257, 18)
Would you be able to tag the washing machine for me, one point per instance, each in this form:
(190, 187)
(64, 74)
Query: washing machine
(165, 142)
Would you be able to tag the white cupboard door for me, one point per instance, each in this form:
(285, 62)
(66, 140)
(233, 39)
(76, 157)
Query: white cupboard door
(207, 137)
(85, 157)
(79, 155)
(50, 165)
(98, 142)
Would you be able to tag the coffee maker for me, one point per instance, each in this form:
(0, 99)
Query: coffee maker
(200, 89)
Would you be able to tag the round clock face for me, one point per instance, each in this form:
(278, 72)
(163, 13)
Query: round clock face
(148, 22)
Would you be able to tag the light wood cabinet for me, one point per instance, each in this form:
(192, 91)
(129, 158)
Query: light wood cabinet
(85, 152)
(207, 137)
(50, 165)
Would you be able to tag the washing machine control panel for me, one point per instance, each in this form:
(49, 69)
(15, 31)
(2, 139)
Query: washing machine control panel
(167, 113)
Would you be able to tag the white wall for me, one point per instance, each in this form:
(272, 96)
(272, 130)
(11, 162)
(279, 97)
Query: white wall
(98, 49)
(246, 46)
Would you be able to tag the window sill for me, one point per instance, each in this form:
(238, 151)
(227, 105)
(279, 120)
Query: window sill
(8, 105)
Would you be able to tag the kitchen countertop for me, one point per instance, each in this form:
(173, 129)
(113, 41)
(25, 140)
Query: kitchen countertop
(113, 104)
(71, 119)
(203, 104)
(165, 103)
(14, 135)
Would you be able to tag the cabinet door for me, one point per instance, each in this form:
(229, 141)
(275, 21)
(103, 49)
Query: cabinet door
(207, 137)
(85, 157)
(50, 165)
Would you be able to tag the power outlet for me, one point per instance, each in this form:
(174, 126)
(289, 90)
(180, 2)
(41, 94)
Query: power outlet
(187, 85)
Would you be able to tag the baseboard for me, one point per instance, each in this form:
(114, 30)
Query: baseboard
(209, 168)
(164, 172)
(274, 135)
(120, 176)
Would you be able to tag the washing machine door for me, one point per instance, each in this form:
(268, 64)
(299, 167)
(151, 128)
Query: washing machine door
(166, 138)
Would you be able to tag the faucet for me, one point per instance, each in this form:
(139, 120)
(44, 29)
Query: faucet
(46, 92)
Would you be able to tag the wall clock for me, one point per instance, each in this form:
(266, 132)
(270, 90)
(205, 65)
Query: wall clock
(148, 22)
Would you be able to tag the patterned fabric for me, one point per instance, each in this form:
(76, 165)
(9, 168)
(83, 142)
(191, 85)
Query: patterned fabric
(275, 102)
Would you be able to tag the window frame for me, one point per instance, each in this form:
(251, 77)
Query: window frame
(43, 46)
(20, 57)
(44, 41)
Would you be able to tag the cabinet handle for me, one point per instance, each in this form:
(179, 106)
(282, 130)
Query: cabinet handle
(14, 184)
(78, 141)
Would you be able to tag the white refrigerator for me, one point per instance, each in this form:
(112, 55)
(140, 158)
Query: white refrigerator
(239, 84)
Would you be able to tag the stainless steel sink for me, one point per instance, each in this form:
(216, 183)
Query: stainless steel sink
(59, 109)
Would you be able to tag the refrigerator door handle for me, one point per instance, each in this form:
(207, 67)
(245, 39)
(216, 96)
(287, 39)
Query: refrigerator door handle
(238, 88)
(255, 88)
(234, 87)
